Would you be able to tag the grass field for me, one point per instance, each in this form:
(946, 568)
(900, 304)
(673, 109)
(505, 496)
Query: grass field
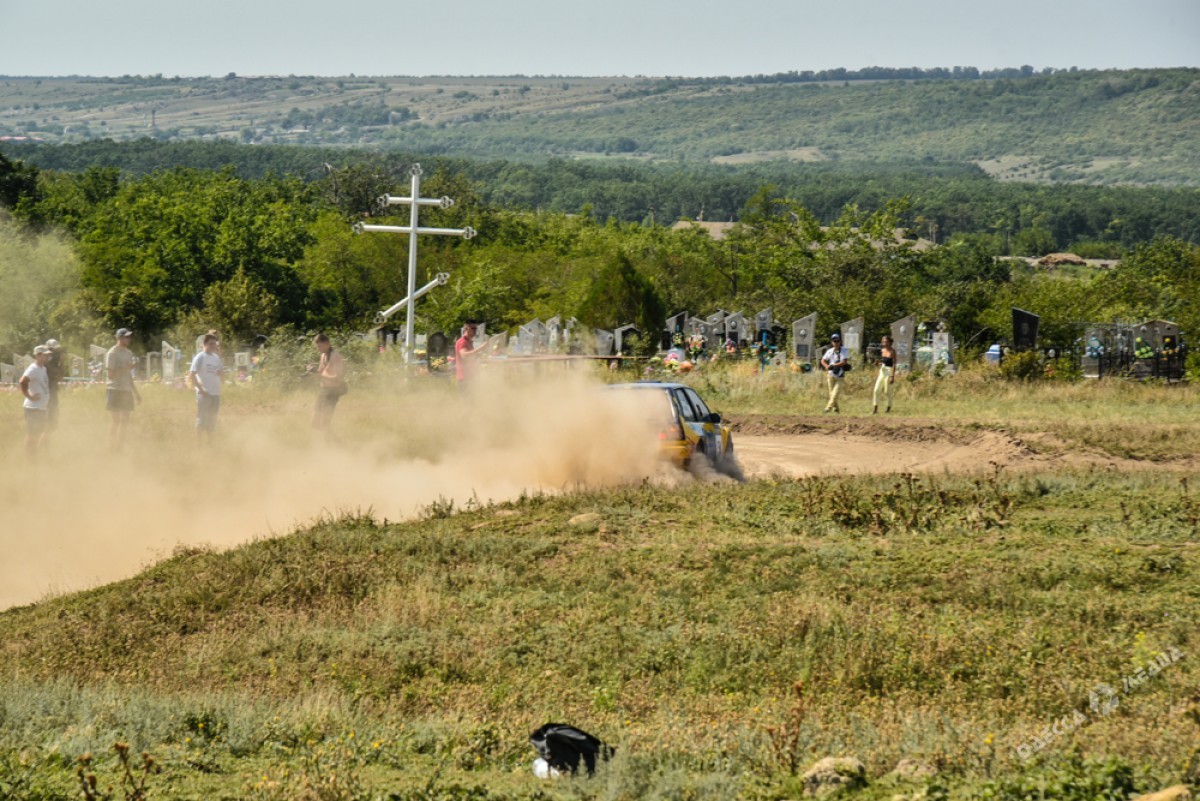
(723, 636)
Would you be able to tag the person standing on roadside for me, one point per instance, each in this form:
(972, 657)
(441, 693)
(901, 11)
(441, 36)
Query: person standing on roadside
(35, 386)
(886, 377)
(56, 370)
(331, 373)
(835, 362)
(206, 374)
(119, 362)
(466, 357)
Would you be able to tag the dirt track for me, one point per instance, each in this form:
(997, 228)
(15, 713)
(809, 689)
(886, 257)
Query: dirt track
(794, 447)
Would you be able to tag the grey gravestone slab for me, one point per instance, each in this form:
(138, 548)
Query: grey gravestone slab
(852, 336)
(903, 336)
(803, 332)
(603, 342)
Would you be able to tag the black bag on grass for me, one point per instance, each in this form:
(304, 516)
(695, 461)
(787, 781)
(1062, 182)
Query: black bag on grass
(563, 747)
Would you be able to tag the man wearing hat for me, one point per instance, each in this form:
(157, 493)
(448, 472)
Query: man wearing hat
(835, 362)
(35, 386)
(56, 371)
(122, 394)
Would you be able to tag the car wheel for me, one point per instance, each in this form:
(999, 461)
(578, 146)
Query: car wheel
(728, 465)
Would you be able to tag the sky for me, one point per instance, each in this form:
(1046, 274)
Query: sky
(564, 37)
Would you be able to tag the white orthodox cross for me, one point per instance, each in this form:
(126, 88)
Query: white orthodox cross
(413, 229)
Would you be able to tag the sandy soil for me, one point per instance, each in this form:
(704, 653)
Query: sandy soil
(806, 446)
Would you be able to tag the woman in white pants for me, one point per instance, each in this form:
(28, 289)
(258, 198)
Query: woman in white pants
(887, 375)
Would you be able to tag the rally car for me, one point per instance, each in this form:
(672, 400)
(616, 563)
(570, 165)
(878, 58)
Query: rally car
(687, 429)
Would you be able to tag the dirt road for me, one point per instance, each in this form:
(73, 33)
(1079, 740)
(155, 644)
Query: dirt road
(796, 455)
(796, 447)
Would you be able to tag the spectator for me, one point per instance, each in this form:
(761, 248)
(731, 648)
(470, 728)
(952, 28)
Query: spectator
(331, 373)
(122, 393)
(35, 386)
(466, 356)
(206, 374)
(835, 362)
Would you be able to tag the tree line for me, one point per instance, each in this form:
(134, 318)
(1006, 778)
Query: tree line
(177, 251)
(946, 199)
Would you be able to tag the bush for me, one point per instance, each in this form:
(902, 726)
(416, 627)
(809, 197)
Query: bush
(1025, 366)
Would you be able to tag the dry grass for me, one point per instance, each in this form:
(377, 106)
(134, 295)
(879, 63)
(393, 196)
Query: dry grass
(947, 619)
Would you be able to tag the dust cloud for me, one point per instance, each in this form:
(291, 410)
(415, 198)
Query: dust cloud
(81, 515)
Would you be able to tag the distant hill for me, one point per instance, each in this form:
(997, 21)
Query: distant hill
(1100, 127)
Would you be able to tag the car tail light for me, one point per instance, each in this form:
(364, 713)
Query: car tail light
(673, 432)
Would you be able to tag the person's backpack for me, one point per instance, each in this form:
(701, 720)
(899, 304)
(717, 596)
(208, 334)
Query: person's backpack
(563, 747)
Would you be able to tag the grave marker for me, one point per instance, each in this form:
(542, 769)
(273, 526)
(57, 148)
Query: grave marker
(802, 337)
(903, 337)
(604, 342)
(1025, 329)
(852, 337)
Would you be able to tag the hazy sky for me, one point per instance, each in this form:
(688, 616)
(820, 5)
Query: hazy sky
(597, 37)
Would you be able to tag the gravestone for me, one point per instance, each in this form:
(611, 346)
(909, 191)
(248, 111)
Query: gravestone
(1096, 346)
(716, 318)
(77, 367)
(622, 337)
(438, 344)
(943, 348)
(151, 363)
(603, 342)
(705, 329)
(171, 358)
(677, 325)
(498, 343)
(572, 336)
(21, 362)
(533, 337)
(763, 321)
(903, 337)
(554, 334)
(8, 374)
(1025, 329)
(852, 336)
(735, 328)
(803, 332)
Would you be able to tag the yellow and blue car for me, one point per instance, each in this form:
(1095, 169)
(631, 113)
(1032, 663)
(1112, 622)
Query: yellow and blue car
(688, 430)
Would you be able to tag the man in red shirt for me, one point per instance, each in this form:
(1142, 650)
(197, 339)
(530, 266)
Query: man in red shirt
(466, 355)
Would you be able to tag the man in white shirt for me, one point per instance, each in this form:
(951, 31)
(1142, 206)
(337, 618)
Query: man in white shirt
(35, 386)
(835, 362)
(205, 374)
(119, 364)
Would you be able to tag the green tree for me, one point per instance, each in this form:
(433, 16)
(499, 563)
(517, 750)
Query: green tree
(619, 295)
(240, 308)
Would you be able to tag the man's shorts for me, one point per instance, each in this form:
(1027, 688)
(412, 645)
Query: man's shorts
(207, 407)
(328, 397)
(36, 421)
(120, 400)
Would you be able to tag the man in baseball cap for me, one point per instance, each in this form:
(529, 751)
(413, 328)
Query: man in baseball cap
(34, 384)
(835, 363)
(122, 393)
